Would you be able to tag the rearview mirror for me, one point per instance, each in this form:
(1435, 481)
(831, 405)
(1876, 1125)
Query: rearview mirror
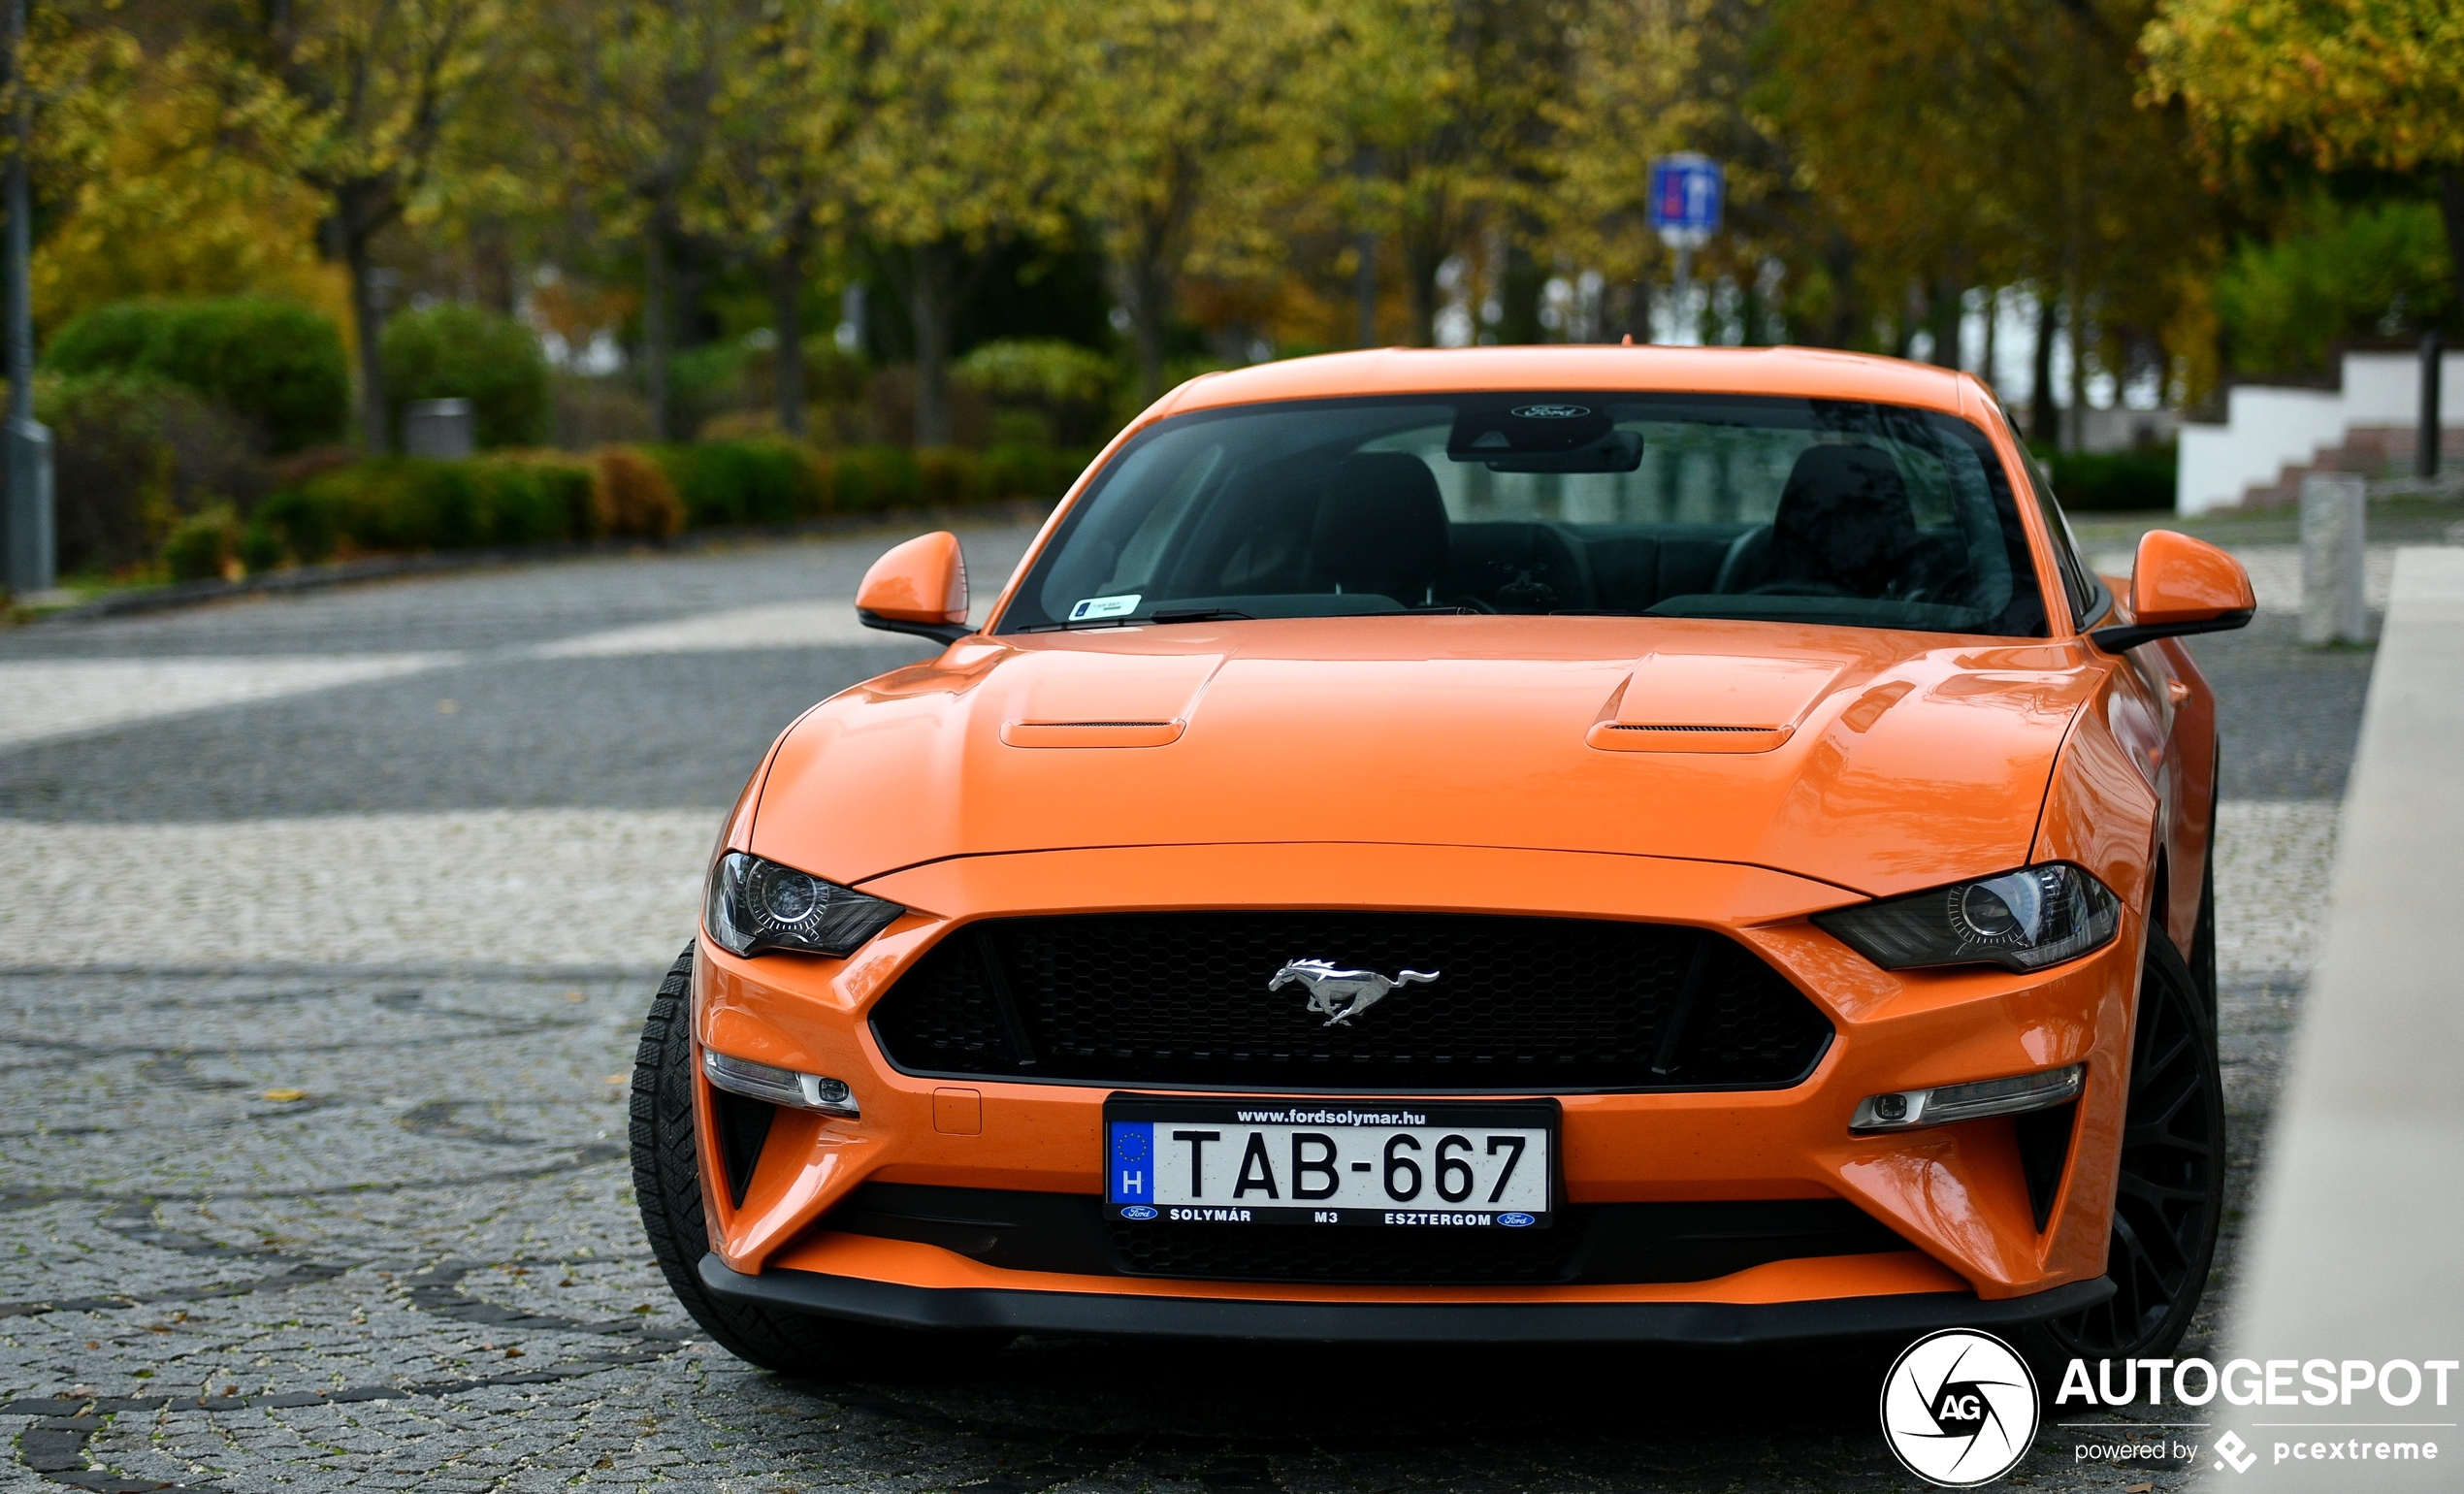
(2179, 585)
(919, 588)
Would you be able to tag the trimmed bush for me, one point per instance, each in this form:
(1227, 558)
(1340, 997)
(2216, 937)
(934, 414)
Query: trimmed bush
(132, 455)
(872, 478)
(402, 504)
(632, 497)
(276, 365)
(2114, 481)
(202, 546)
(743, 482)
(454, 351)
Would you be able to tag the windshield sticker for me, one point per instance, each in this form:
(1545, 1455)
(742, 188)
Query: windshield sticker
(1095, 608)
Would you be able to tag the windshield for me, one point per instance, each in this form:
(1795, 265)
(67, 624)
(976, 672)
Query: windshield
(1575, 503)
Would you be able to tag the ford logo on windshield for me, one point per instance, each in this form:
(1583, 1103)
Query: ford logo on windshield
(1514, 1220)
(1549, 412)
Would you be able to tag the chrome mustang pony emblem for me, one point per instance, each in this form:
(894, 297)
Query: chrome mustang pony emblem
(1342, 994)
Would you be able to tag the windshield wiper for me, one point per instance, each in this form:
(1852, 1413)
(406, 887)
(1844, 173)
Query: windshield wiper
(1201, 615)
(1165, 616)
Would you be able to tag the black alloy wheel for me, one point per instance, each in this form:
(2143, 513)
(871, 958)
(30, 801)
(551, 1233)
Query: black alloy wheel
(2169, 1198)
(668, 1187)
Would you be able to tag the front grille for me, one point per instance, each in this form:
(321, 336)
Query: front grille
(1590, 1244)
(1520, 1005)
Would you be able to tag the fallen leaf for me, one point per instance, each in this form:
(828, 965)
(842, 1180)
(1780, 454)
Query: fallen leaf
(286, 1096)
(618, 1079)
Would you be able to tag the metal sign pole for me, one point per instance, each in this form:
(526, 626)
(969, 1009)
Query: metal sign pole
(32, 545)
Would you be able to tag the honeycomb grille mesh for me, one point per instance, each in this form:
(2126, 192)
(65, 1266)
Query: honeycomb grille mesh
(1530, 1004)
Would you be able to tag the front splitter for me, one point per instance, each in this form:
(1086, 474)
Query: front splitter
(978, 1309)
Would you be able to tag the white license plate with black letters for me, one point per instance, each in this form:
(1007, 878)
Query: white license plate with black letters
(1396, 1164)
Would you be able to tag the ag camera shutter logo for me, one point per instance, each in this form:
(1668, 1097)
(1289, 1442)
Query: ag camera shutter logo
(1960, 1408)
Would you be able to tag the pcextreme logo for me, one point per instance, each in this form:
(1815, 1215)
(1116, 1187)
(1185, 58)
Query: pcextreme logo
(1959, 1408)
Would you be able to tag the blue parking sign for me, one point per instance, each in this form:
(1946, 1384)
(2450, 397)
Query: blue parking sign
(1686, 192)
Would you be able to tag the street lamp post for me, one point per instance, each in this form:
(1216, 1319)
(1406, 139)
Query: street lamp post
(32, 545)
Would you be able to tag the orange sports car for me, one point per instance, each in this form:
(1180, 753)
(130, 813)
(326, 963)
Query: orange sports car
(1525, 844)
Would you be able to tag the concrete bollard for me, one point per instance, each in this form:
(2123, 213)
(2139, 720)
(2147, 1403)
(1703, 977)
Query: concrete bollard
(438, 428)
(2334, 510)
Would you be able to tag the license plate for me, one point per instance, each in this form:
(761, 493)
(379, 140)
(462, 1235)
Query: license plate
(1400, 1164)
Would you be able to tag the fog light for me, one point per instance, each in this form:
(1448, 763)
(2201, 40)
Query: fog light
(1906, 1110)
(779, 1086)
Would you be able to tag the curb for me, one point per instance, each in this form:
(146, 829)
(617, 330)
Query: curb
(381, 568)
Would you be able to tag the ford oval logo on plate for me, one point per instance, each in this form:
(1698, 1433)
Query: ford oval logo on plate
(1549, 411)
(1514, 1220)
(1142, 1211)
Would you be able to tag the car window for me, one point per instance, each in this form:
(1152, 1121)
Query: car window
(2088, 597)
(1582, 502)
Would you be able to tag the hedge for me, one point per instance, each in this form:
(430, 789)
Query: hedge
(278, 365)
(455, 352)
(2114, 481)
(402, 504)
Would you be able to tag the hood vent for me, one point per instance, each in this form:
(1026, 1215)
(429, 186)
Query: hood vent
(1654, 736)
(1093, 734)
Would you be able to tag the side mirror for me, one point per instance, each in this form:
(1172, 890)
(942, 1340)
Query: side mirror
(920, 587)
(2179, 585)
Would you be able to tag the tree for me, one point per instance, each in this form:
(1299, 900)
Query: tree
(964, 150)
(1437, 118)
(790, 101)
(1982, 142)
(354, 99)
(1176, 94)
(632, 88)
(2343, 83)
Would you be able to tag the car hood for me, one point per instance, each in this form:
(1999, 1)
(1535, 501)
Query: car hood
(1877, 760)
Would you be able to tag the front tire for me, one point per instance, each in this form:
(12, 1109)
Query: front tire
(668, 1187)
(2169, 1196)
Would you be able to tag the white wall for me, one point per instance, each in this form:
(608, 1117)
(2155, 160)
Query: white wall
(2268, 429)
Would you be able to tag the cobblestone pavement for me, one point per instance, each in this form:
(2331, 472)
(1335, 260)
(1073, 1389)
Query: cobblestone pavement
(329, 923)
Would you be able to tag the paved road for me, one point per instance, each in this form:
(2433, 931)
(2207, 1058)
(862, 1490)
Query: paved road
(328, 922)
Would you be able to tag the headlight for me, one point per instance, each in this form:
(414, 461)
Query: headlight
(2022, 920)
(754, 906)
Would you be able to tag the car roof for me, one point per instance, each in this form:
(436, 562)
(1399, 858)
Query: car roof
(1813, 373)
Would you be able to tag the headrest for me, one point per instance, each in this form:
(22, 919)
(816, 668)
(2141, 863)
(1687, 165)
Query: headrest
(1842, 518)
(1381, 527)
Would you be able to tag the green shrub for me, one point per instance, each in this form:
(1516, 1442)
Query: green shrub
(947, 478)
(455, 352)
(1038, 473)
(632, 497)
(404, 504)
(134, 453)
(1047, 370)
(276, 365)
(872, 478)
(2114, 481)
(743, 482)
(202, 546)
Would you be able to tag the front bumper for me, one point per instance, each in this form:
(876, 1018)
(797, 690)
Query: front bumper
(1959, 1196)
(895, 1305)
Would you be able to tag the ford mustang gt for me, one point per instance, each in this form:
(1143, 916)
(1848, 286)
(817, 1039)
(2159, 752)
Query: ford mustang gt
(1580, 844)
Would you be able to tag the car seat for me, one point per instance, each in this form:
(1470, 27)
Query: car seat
(1381, 529)
(1844, 528)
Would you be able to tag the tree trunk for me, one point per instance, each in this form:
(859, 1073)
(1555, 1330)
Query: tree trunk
(931, 304)
(376, 417)
(656, 330)
(1146, 294)
(1521, 284)
(1364, 290)
(2043, 420)
(787, 317)
(1948, 314)
(1423, 254)
(1992, 326)
(2075, 438)
(2451, 208)
(1639, 308)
